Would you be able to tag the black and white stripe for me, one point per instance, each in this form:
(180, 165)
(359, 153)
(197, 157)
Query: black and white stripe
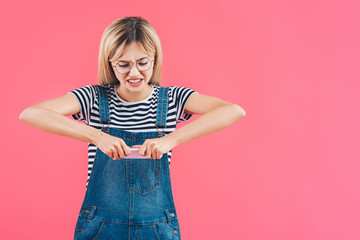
(130, 116)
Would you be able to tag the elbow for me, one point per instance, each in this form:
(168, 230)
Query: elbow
(239, 110)
(26, 114)
(23, 114)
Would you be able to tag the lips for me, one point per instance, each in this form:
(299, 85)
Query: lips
(135, 84)
(134, 79)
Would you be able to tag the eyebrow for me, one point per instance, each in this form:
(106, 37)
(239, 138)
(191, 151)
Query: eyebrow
(128, 60)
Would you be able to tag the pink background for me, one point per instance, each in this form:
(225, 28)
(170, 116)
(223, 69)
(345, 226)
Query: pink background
(288, 170)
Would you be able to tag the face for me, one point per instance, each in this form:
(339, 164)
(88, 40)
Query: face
(132, 53)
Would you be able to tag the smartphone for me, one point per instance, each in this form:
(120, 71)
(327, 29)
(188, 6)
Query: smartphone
(134, 154)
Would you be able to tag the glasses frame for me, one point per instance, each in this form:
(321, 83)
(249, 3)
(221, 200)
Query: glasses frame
(131, 65)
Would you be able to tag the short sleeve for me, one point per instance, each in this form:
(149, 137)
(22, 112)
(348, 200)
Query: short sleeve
(86, 97)
(180, 96)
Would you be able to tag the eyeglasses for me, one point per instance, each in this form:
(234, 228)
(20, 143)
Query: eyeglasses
(143, 64)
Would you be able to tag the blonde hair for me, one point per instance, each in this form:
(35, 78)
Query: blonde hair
(117, 36)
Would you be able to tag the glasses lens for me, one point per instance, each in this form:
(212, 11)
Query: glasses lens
(123, 67)
(142, 64)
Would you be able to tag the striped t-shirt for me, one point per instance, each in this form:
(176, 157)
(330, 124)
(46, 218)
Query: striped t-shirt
(130, 116)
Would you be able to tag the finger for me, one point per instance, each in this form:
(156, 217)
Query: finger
(115, 153)
(125, 148)
(149, 151)
(154, 153)
(159, 155)
(119, 150)
(128, 150)
(142, 148)
(111, 155)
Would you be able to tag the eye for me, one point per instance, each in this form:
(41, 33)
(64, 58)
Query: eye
(143, 61)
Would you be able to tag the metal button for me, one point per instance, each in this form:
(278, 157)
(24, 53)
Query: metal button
(175, 231)
(172, 214)
(85, 211)
(79, 229)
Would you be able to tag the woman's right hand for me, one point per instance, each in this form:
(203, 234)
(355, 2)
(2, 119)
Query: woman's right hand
(112, 146)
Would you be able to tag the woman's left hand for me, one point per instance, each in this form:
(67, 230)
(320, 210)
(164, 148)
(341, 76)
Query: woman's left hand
(156, 147)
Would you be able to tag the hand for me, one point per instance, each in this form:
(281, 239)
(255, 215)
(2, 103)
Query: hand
(112, 146)
(155, 147)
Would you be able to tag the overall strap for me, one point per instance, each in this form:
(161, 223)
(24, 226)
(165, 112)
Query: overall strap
(103, 107)
(162, 108)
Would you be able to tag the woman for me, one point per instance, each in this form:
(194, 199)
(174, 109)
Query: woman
(129, 110)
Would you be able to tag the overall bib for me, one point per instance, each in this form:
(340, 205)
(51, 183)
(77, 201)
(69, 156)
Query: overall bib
(129, 198)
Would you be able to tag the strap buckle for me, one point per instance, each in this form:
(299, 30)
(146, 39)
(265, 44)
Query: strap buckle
(160, 133)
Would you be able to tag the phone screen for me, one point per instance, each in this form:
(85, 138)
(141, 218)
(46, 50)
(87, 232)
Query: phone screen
(134, 154)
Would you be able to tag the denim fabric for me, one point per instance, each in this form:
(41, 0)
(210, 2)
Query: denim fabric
(129, 198)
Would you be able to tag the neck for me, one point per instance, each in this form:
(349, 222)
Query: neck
(129, 96)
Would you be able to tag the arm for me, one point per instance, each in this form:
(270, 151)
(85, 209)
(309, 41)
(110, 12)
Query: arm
(50, 116)
(216, 115)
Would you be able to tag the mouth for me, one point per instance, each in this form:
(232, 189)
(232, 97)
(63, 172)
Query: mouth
(135, 82)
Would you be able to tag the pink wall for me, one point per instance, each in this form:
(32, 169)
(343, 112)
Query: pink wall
(288, 170)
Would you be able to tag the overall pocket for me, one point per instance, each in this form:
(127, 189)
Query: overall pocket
(143, 174)
(88, 230)
(167, 231)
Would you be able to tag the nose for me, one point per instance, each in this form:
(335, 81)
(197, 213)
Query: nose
(133, 70)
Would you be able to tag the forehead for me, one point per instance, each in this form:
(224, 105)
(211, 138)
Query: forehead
(129, 59)
(133, 51)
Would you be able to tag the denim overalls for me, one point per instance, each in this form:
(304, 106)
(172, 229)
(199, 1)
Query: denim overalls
(129, 198)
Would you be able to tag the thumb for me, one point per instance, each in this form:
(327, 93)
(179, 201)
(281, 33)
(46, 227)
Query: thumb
(138, 146)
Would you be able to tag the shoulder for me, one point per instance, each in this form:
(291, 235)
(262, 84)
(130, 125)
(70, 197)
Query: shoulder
(84, 92)
(180, 88)
(107, 87)
(180, 91)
